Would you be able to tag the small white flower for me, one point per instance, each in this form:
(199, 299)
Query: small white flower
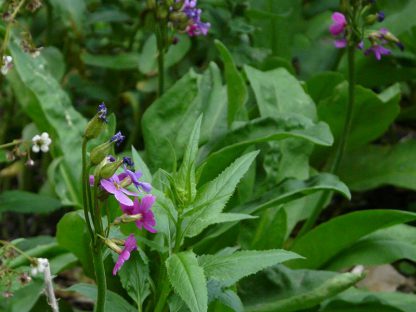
(41, 267)
(7, 64)
(41, 142)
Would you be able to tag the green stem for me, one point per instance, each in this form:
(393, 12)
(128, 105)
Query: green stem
(100, 279)
(15, 142)
(340, 150)
(85, 183)
(9, 28)
(164, 293)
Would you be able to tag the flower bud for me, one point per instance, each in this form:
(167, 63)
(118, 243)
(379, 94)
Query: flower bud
(178, 17)
(371, 19)
(113, 246)
(128, 218)
(94, 128)
(109, 169)
(100, 152)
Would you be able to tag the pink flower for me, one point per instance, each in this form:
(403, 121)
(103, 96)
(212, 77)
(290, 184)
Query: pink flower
(114, 186)
(339, 24)
(340, 43)
(144, 208)
(129, 246)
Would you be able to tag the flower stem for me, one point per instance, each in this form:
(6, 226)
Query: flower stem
(8, 244)
(9, 28)
(15, 142)
(164, 293)
(100, 278)
(85, 181)
(340, 150)
(161, 56)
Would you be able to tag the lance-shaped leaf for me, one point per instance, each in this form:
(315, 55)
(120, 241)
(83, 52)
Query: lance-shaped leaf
(233, 267)
(213, 196)
(188, 280)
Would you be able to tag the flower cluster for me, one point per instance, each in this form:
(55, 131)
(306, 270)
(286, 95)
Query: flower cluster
(41, 143)
(125, 185)
(378, 41)
(186, 16)
(6, 65)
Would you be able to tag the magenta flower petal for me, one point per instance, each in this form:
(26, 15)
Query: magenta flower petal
(109, 186)
(123, 199)
(129, 245)
(147, 202)
(340, 43)
(339, 24)
(129, 209)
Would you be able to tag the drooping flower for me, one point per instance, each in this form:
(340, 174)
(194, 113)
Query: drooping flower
(339, 24)
(118, 138)
(378, 51)
(144, 208)
(129, 246)
(116, 186)
(41, 143)
(7, 64)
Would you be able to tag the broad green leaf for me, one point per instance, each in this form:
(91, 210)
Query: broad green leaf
(73, 13)
(322, 85)
(222, 299)
(123, 61)
(367, 105)
(188, 280)
(213, 196)
(72, 235)
(224, 149)
(309, 299)
(279, 93)
(284, 192)
(26, 202)
(232, 268)
(113, 302)
(49, 250)
(141, 166)
(374, 165)
(46, 103)
(381, 247)
(24, 298)
(341, 233)
(236, 86)
(163, 120)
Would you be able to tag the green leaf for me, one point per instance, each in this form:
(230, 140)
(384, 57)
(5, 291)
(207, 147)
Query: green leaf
(286, 191)
(322, 85)
(25, 202)
(232, 268)
(73, 13)
(236, 86)
(213, 196)
(122, 61)
(188, 280)
(381, 247)
(113, 302)
(223, 150)
(393, 165)
(185, 180)
(311, 298)
(141, 166)
(367, 105)
(72, 235)
(134, 277)
(279, 93)
(341, 233)
(25, 298)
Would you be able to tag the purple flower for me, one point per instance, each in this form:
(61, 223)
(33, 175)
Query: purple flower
(340, 43)
(114, 186)
(118, 138)
(378, 51)
(128, 162)
(381, 16)
(129, 245)
(135, 176)
(339, 24)
(102, 112)
(195, 26)
(144, 208)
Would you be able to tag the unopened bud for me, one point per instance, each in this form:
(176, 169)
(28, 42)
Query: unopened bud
(128, 218)
(109, 169)
(178, 17)
(371, 19)
(112, 245)
(100, 152)
(94, 127)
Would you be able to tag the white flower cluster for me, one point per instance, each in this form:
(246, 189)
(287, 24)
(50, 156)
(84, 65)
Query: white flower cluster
(41, 267)
(6, 65)
(41, 142)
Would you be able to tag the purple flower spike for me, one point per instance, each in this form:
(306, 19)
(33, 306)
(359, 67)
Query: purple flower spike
(129, 245)
(113, 186)
(118, 138)
(339, 24)
(378, 51)
(143, 207)
(102, 112)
